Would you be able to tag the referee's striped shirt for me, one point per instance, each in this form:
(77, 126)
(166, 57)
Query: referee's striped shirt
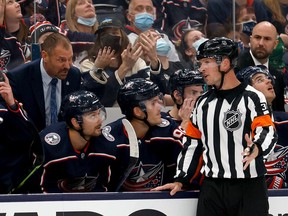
(220, 121)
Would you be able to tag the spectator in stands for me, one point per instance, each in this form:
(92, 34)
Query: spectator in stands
(16, 27)
(75, 160)
(181, 16)
(276, 164)
(39, 32)
(11, 53)
(80, 17)
(155, 53)
(245, 22)
(20, 146)
(159, 138)
(141, 18)
(31, 82)
(262, 43)
(190, 41)
(111, 61)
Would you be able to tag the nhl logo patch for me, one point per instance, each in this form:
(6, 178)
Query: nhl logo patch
(52, 138)
(232, 120)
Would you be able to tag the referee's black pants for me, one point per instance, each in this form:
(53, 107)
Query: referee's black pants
(233, 197)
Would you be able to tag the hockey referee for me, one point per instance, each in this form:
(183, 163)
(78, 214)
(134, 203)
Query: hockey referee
(233, 131)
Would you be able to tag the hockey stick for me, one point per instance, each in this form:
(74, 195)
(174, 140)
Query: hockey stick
(134, 151)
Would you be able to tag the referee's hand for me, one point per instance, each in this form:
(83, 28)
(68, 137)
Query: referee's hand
(174, 187)
(249, 153)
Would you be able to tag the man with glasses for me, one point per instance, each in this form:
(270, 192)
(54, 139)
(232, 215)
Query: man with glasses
(75, 160)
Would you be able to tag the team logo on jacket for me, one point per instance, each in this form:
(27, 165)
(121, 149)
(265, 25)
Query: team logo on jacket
(145, 177)
(185, 25)
(5, 56)
(52, 138)
(232, 120)
(277, 165)
(164, 123)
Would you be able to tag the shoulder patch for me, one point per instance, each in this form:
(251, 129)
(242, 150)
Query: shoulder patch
(52, 138)
(164, 123)
(106, 133)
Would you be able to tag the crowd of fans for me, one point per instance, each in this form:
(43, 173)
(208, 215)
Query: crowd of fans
(136, 55)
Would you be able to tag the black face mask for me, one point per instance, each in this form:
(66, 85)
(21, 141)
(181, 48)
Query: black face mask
(112, 41)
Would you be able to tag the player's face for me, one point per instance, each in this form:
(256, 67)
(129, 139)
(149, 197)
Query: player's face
(210, 71)
(92, 122)
(153, 109)
(262, 83)
(193, 91)
(58, 62)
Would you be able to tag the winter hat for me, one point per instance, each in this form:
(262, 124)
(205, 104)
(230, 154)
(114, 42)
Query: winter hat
(40, 28)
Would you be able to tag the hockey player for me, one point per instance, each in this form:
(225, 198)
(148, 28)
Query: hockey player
(261, 79)
(75, 160)
(185, 87)
(159, 138)
(20, 146)
(232, 127)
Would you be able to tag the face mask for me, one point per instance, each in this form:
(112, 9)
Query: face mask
(144, 21)
(248, 26)
(162, 47)
(197, 43)
(87, 21)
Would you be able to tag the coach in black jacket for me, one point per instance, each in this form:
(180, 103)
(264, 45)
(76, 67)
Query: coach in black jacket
(20, 147)
(262, 43)
(30, 81)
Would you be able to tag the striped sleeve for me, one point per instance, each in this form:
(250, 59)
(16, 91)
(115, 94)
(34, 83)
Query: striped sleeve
(190, 159)
(264, 134)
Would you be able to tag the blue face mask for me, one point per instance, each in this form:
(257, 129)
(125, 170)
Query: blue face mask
(144, 21)
(87, 21)
(162, 47)
(248, 26)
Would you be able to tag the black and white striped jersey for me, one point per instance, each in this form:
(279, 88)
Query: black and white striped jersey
(220, 121)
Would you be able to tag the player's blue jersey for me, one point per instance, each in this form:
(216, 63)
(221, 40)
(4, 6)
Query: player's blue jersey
(158, 152)
(68, 170)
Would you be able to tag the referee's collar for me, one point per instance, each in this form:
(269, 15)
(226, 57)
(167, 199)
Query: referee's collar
(230, 94)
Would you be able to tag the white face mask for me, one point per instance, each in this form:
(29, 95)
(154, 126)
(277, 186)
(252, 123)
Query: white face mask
(197, 43)
(87, 21)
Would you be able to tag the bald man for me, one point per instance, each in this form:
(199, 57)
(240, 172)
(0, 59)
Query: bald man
(262, 43)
